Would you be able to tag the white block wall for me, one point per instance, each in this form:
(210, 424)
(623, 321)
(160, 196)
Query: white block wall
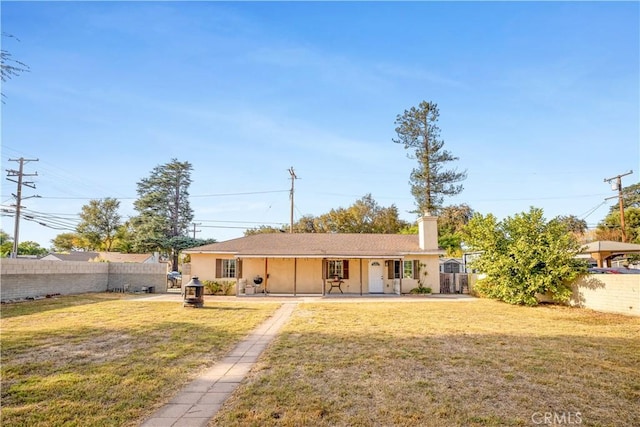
(24, 278)
(612, 293)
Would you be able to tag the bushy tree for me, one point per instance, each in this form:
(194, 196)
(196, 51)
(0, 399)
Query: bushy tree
(365, 215)
(67, 242)
(630, 197)
(609, 228)
(263, 229)
(99, 222)
(164, 209)
(417, 130)
(523, 256)
(6, 244)
(31, 248)
(451, 223)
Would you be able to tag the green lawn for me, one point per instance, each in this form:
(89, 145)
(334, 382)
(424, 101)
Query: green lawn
(444, 364)
(105, 360)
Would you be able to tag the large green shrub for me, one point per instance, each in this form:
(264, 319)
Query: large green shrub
(523, 256)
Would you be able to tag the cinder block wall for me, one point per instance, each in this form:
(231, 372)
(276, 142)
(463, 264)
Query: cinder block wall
(24, 278)
(613, 293)
(138, 276)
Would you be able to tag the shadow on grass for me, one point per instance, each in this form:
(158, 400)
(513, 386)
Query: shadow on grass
(27, 307)
(450, 379)
(111, 371)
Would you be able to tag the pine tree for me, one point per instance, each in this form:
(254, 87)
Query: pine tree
(417, 130)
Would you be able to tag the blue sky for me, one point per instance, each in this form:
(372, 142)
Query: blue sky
(539, 100)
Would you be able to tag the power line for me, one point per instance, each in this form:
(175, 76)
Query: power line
(247, 193)
(241, 222)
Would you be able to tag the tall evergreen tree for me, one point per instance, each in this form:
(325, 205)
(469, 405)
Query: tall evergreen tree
(417, 130)
(164, 210)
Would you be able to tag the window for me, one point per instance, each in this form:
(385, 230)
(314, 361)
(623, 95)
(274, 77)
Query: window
(404, 269)
(394, 269)
(408, 270)
(338, 268)
(226, 268)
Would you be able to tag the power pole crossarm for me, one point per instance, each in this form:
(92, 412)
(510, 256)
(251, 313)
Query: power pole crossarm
(618, 186)
(18, 196)
(194, 228)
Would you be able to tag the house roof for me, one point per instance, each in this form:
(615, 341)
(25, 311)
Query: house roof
(315, 245)
(610, 246)
(119, 257)
(73, 256)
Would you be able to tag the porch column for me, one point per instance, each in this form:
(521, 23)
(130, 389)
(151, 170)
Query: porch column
(266, 274)
(324, 268)
(295, 275)
(360, 276)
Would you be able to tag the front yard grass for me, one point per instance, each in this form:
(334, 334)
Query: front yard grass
(444, 364)
(108, 360)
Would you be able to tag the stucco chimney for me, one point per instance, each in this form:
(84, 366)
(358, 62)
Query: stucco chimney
(428, 231)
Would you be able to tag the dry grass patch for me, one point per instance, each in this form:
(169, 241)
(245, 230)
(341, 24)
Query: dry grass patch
(443, 364)
(102, 359)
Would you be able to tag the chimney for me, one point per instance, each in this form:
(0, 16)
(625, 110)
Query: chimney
(428, 232)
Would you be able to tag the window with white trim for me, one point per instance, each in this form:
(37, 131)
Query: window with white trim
(228, 268)
(407, 271)
(338, 268)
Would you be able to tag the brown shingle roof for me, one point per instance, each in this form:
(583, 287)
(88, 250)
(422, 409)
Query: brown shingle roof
(316, 245)
(74, 256)
(119, 257)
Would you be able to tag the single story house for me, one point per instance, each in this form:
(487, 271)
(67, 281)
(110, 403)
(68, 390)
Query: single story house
(321, 263)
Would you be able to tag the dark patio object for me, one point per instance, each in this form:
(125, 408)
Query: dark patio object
(194, 293)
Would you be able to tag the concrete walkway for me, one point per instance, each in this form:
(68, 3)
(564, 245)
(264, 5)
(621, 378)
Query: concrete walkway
(200, 400)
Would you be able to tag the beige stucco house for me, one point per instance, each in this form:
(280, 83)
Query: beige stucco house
(321, 263)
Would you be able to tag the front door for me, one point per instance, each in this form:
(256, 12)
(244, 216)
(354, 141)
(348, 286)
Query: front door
(376, 277)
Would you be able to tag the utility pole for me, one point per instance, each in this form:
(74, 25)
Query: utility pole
(20, 174)
(293, 179)
(618, 186)
(194, 229)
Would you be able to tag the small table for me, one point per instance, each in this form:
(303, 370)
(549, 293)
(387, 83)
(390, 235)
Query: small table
(335, 283)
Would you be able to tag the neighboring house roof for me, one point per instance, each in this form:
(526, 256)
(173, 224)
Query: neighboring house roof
(610, 246)
(118, 257)
(314, 245)
(73, 256)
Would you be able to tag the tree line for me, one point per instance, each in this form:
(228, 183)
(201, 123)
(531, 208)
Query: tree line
(521, 256)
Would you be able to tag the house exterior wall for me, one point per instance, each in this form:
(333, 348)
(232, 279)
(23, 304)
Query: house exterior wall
(307, 274)
(431, 280)
(203, 266)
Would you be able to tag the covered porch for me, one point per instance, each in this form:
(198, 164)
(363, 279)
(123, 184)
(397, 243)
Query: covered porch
(326, 276)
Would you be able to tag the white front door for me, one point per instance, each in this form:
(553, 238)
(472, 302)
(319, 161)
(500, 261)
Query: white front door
(376, 276)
